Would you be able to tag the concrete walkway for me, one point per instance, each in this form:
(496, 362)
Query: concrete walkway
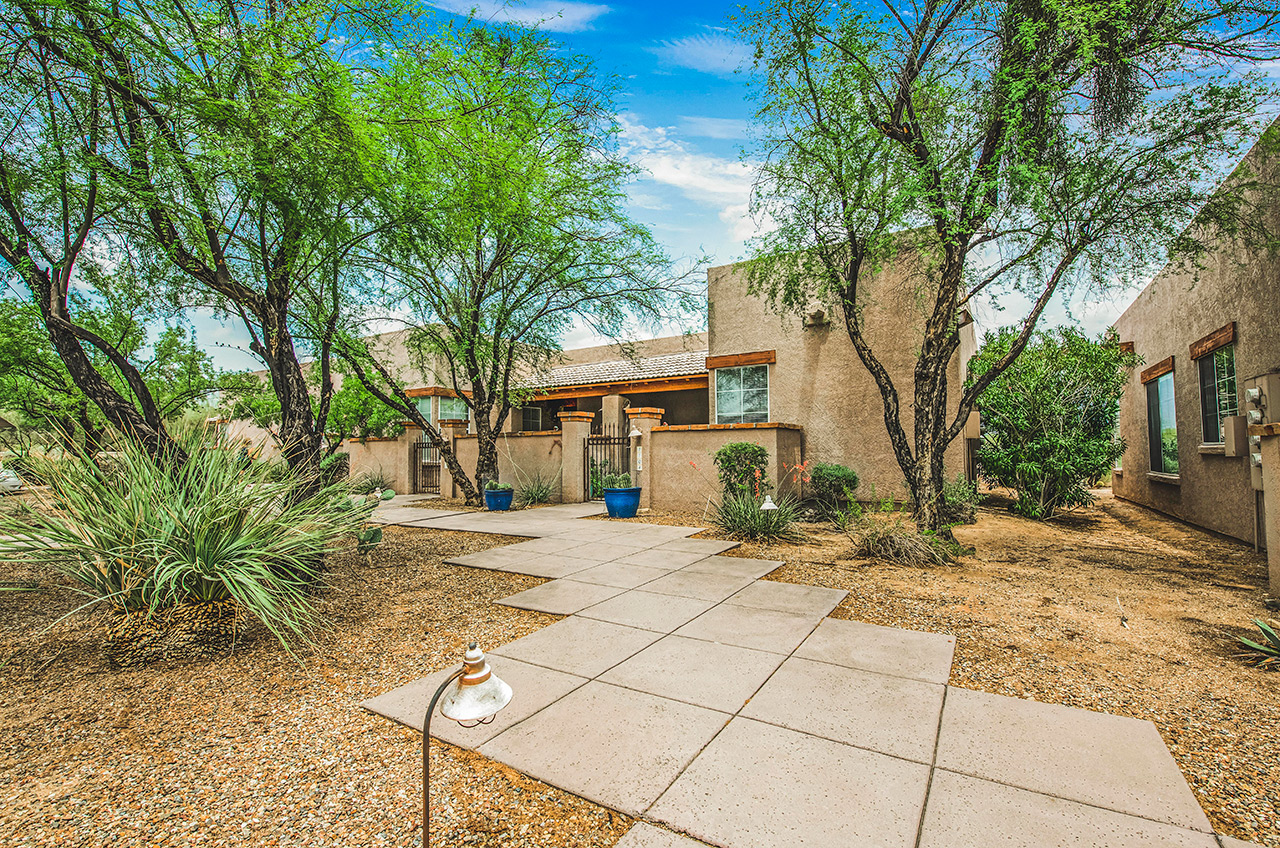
(722, 709)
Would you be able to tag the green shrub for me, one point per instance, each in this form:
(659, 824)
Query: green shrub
(495, 486)
(959, 501)
(146, 539)
(537, 490)
(370, 482)
(743, 467)
(740, 517)
(898, 542)
(1265, 653)
(617, 481)
(831, 487)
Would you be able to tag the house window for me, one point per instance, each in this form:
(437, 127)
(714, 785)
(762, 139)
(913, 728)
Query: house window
(453, 408)
(1162, 427)
(531, 419)
(424, 408)
(1218, 395)
(742, 395)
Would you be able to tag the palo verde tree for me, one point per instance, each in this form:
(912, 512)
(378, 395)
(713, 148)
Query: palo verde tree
(222, 140)
(1049, 420)
(1013, 146)
(508, 190)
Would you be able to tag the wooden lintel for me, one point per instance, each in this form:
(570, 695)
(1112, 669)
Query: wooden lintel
(1161, 368)
(1220, 337)
(1127, 347)
(433, 391)
(1272, 429)
(734, 360)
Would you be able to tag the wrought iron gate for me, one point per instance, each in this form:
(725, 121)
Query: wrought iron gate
(607, 452)
(424, 459)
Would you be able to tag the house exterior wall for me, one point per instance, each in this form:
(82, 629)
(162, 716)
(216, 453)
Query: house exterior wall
(521, 458)
(388, 458)
(683, 472)
(819, 382)
(1176, 309)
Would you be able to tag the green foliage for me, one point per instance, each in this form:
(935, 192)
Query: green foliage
(537, 489)
(743, 469)
(370, 481)
(368, 538)
(960, 501)
(1264, 653)
(831, 487)
(740, 517)
(893, 540)
(495, 486)
(598, 470)
(1049, 420)
(617, 481)
(149, 538)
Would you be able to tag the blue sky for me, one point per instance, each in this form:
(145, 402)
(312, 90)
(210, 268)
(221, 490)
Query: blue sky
(684, 114)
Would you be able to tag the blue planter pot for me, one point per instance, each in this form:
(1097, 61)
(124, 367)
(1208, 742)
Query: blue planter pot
(498, 500)
(622, 503)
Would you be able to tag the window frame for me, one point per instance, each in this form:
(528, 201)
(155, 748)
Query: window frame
(466, 411)
(524, 411)
(1156, 422)
(1212, 406)
(741, 417)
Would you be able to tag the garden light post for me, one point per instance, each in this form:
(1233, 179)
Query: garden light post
(472, 695)
(768, 504)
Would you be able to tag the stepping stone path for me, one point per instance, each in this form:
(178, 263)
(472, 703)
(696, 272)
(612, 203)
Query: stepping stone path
(722, 709)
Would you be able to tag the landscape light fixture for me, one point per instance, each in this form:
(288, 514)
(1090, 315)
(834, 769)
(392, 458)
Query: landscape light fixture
(472, 695)
(768, 504)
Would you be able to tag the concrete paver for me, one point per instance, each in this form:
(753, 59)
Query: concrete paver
(788, 597)
(887, 650)
(648, 610)
(760, 786)
(581, 646)
(614, 746)
(719, 677)
(659, 558)
(589, 531)
(645, 835)
(705, 587)
(892, 715)
(731, 566)
(551, 566)
(560, 597)
(709, 547)
(1229, 842)
(532, 688)
(546, 545)
(620, 574)
(1107, 761)
(965, 812)
(748, 627)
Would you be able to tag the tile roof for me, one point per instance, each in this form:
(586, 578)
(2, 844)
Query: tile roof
(625, 370)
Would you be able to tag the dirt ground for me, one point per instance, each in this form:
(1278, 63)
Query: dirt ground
(262, 749)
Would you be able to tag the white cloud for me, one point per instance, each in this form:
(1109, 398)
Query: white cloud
(704, 127)
(712, 180)
(548, 15)
(710, 52)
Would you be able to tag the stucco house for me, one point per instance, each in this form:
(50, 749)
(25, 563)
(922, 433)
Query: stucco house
(792, 383)
(1193, 418)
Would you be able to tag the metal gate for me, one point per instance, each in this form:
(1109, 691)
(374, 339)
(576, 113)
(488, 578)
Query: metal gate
(424, 459)
(607, 452)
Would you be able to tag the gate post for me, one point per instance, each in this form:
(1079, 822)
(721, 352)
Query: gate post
(643, 419)
(450, 429)
(574, 429)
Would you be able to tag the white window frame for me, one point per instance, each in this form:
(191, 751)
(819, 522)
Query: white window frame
(525, 409)
(466, 412)
(738, 418)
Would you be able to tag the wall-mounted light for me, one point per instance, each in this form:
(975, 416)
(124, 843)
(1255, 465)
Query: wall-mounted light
(635, 433)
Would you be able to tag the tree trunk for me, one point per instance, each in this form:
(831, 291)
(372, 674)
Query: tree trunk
(299, 440)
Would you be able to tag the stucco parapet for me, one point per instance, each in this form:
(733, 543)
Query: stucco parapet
(673, 428)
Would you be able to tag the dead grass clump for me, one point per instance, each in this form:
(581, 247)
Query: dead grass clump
(897, 542)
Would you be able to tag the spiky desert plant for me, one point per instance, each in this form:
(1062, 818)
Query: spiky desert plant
(1266, 653)
(739, 515)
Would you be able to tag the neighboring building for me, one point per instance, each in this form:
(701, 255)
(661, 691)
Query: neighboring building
(1206, 339)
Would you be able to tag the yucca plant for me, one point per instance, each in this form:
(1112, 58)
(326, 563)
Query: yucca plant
(536, 490)
(1265, 654)
(146, 539)
(739, 515)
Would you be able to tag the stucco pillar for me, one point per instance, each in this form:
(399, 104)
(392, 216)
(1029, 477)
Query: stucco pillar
(574, 429)
(613, 413)
(1270, 448)
(450, 429)
(643, 419)
(402, 471)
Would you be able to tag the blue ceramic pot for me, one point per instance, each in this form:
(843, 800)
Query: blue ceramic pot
(622, 503)
(498, 500)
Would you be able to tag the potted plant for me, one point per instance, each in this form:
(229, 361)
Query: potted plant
(620, 497)
(497, 496)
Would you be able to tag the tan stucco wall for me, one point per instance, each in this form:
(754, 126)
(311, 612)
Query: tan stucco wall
(643, 348)
(683, 466)
(819, 382)
(521, 457)
(1174, 310)
(388, 457)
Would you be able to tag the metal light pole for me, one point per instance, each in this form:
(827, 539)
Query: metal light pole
(472, 695)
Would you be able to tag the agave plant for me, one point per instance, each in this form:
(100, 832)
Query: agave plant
(148, 538)
(1266, 653)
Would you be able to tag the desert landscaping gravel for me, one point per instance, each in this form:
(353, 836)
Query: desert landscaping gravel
(264, 749)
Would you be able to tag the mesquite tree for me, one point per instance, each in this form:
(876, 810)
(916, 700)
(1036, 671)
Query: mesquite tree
(1027, 146)
(221, 140)
(508, 190)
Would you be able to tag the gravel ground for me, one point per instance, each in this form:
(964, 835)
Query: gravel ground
(260, 748)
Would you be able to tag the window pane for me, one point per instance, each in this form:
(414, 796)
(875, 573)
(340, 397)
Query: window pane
(531, 419)
(1168, 425)
(1209, 401)
(755, 417)
(424, 407)
(453, 407)
(728, 379)
(1224, 364)
(755, 402)
(728, 403)
(755, 377)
